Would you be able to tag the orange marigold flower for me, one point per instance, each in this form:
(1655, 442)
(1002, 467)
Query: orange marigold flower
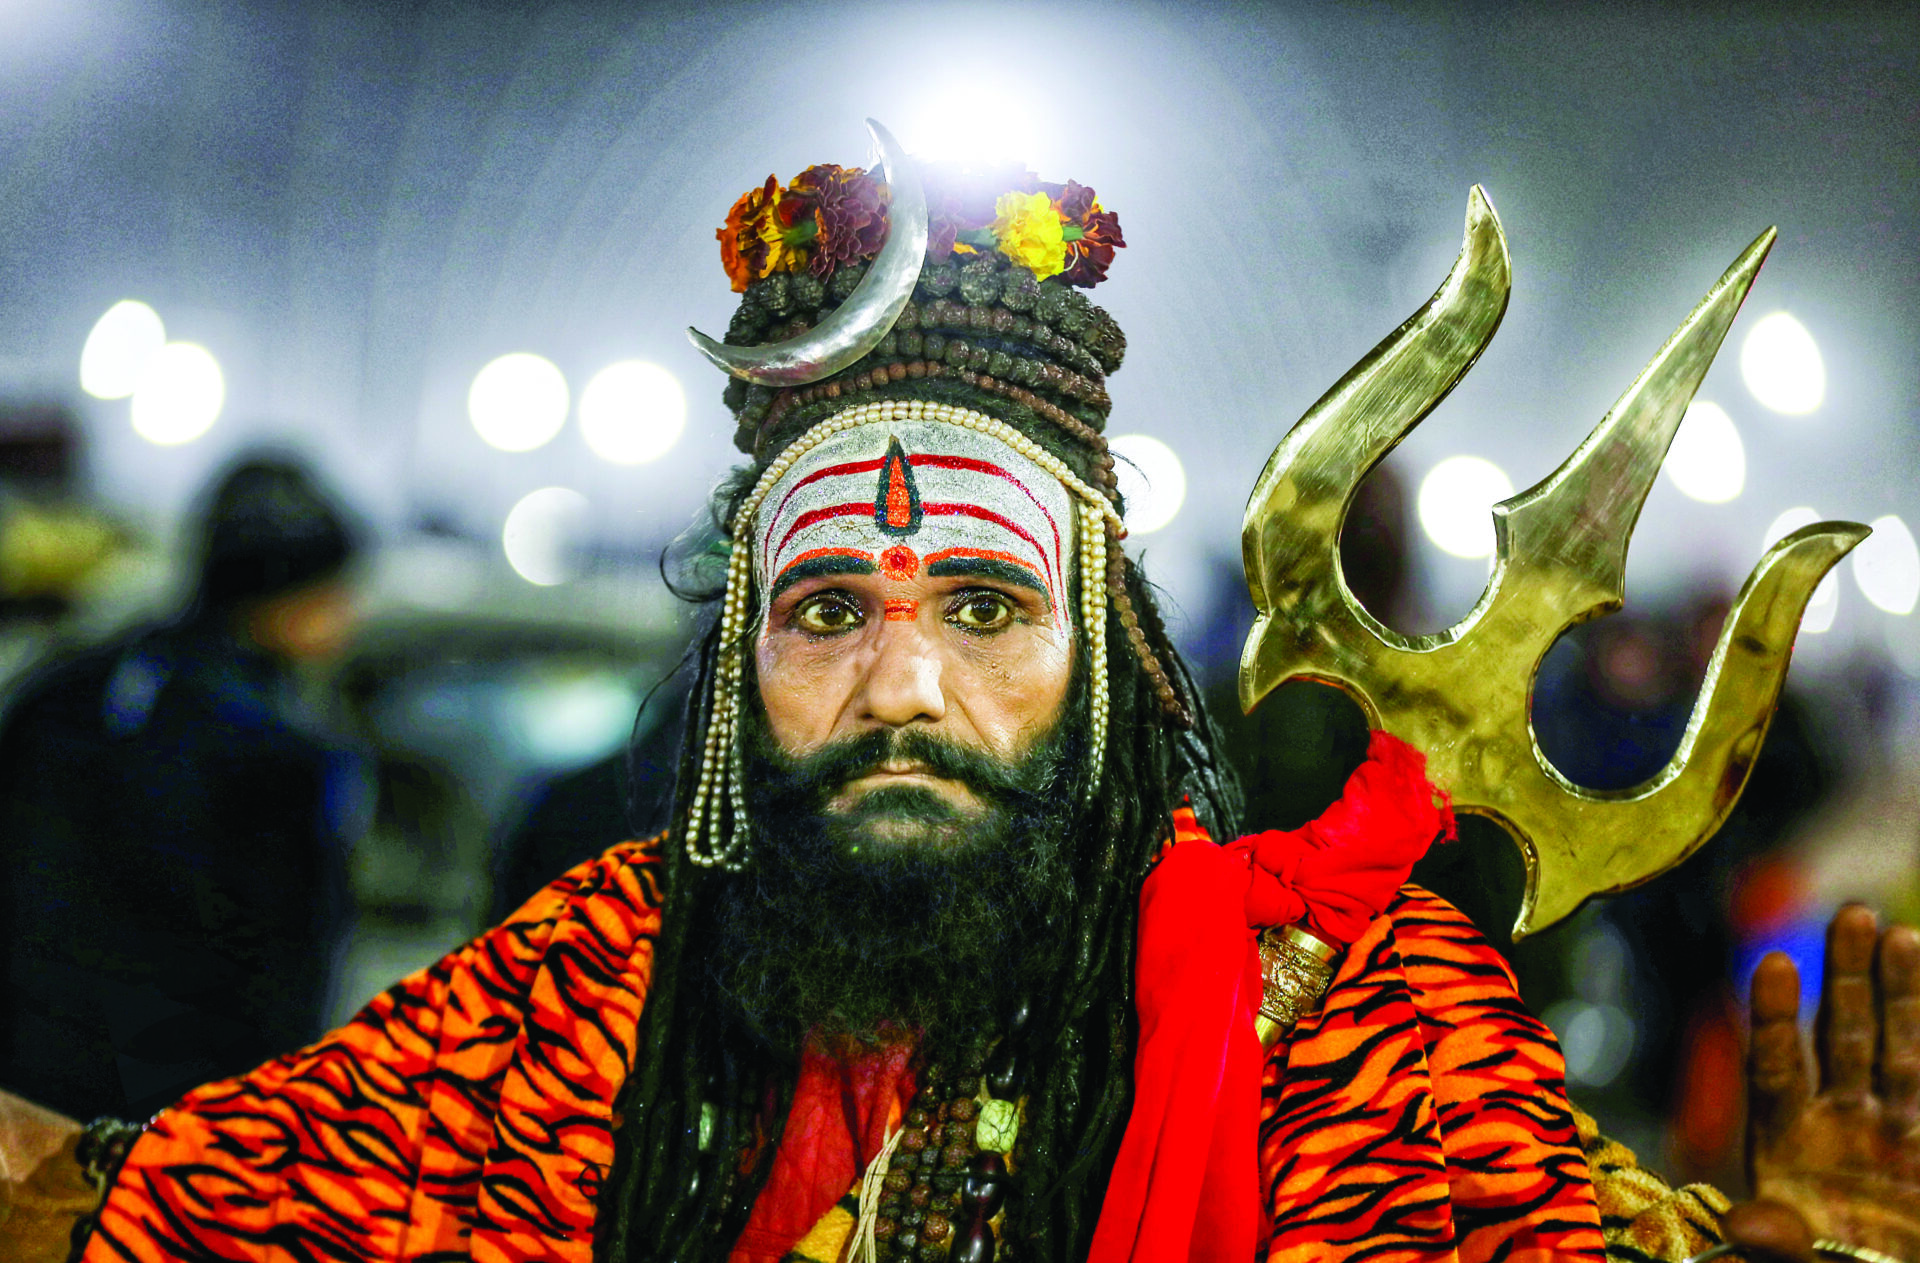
(742, 251)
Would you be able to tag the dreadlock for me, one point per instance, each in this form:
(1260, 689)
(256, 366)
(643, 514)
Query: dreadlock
(700, 1119)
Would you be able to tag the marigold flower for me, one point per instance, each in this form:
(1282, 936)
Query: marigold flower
(1092, 236)
(1029, 231)
(742, 252)
(787, 232)
(849, 210)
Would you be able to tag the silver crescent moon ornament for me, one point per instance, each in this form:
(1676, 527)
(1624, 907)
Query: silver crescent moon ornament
(856, 326)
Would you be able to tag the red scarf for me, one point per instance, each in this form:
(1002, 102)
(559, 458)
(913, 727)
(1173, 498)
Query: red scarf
(1192, 1139)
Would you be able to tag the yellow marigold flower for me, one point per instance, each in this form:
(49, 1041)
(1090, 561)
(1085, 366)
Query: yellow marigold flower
(783, 254)
(1028, 229)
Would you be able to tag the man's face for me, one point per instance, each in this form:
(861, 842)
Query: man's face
(969, 654)
(915, 581)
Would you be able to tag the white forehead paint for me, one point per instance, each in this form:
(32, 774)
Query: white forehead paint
(901, 497)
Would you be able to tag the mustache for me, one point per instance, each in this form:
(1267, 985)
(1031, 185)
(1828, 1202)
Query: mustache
(990, 778)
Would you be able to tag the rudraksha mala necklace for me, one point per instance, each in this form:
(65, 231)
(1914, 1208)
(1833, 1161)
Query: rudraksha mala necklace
(945, 1191)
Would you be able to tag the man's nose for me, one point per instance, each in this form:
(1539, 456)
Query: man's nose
(903, 683)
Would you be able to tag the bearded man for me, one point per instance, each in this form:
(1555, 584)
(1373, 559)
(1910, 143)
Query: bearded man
(939, 960)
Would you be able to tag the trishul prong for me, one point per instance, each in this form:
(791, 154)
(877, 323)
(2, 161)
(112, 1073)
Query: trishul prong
(1464, 695)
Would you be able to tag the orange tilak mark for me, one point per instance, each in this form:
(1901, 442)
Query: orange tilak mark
(899, 504)
(899, 562)
(902, 609)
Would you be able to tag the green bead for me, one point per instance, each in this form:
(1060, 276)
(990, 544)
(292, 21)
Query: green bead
(979, 282)
(1052, 303)
(845, 279)
(809, 291)
(998, 1126)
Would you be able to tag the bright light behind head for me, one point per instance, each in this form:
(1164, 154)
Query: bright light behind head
(1456, 504)
(1707, 461)
(541, 532)
(1886, 565)
(1781, 365)
(1826, 598)
(122, 341)
(179, 395)
(632, 412)
(1153, 483)
(518, 401)
(973, 122)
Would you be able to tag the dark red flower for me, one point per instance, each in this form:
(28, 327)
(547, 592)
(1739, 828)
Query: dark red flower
(850, 208)
(1090, 248)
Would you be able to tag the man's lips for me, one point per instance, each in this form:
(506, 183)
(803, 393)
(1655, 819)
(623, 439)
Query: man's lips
(894, 770)
(901, 772)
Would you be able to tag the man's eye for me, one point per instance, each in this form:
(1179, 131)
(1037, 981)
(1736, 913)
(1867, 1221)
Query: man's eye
(825, 615)
(982, 611)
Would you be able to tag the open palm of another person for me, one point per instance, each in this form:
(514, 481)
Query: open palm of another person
(1842, 1149)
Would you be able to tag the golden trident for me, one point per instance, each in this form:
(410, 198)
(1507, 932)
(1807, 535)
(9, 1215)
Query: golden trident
(1463, 696)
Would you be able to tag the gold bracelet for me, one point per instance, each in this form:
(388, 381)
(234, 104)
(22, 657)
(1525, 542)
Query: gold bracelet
(1295, 970)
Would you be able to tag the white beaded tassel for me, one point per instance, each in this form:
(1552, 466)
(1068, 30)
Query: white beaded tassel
(720, 789)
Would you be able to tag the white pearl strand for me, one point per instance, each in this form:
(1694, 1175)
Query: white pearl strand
(720, 759)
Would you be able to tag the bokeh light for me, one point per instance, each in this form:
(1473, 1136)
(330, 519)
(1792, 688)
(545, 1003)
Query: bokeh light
(179, 396)
(1826, 598)
(1153, 482)
(541, 532)
(1781, 365)
(1707, 461)
(118, 348)
(632, 412)
(1886, 566)
(1456, 504)
(1597, 1040)
(518, 401)
(571, 721)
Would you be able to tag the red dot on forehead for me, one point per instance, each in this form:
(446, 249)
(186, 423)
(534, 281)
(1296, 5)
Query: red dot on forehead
(899, 562)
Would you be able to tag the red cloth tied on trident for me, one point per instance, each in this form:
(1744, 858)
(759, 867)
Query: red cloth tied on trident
(1186, 1183)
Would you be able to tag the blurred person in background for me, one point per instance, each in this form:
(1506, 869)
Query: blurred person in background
(170, 824)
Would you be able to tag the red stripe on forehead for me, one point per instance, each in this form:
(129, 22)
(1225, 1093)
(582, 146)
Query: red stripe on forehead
(814, 517)
(830, 471)
(992, 470)
(988, 515)
(925, 460)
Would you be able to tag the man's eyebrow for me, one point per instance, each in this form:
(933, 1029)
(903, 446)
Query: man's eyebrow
(817, 567)
(990, 568)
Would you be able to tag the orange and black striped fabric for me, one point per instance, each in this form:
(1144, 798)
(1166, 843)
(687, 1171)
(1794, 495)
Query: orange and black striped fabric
(1421, 1114)
(467, 1112)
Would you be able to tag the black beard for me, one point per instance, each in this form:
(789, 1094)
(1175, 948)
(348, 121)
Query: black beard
(901, 913)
